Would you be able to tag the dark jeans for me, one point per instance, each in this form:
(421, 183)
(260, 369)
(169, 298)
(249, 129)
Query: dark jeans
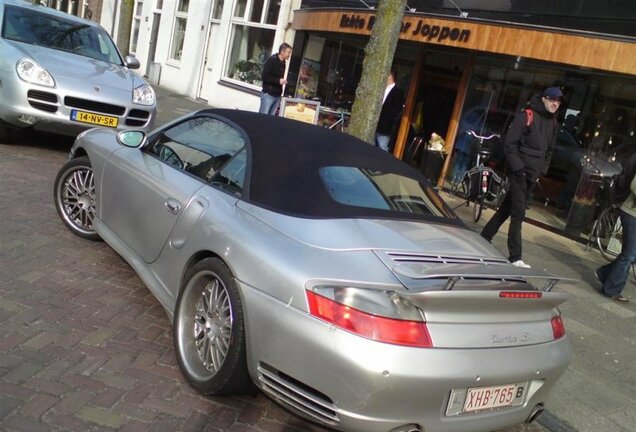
(614, 275)
(513, 206)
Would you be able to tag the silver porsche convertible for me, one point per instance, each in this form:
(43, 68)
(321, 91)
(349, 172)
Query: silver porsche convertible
(321, 270)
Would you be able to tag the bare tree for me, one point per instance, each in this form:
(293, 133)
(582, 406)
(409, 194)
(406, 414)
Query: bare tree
(125, 24)
(375, 69)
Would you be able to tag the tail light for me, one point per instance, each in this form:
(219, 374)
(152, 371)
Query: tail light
(558, 329)
(334, 306)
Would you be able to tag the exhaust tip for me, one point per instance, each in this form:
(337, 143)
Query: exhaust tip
(408, 428)
(536, 412)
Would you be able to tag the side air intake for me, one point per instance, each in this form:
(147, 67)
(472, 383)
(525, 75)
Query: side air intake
(298, 396)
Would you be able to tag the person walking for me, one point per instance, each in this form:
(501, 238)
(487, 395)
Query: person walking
(613, 276)
(392, 104)
(273, 77)
(528, 147)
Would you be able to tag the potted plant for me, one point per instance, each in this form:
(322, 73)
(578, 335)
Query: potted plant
(247, 71)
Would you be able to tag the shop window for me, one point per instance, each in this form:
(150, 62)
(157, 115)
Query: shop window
(252, 39)
(596, 125)
(135, 27)
(178, 35)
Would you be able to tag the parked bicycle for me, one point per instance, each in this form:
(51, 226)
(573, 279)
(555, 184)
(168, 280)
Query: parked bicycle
(607, 232)
(481, 184)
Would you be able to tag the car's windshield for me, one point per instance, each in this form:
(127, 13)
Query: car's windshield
(43, 29)
(374, 189)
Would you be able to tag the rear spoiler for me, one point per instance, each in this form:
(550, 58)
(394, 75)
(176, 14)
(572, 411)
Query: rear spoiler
(456, 272)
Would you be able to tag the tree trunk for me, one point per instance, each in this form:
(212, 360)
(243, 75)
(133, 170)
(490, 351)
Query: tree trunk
(378, 56)
(125, 24)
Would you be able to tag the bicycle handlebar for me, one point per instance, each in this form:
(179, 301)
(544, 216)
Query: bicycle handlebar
(473, 133)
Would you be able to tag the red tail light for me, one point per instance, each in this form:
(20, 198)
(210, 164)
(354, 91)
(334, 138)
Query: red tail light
(520, 294)
(558, 329)
(378, 328)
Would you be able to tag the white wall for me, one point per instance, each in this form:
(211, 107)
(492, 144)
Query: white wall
(184, 77)
(110, 14)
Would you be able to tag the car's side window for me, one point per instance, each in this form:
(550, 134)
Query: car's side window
(200, 146)
(231, 177)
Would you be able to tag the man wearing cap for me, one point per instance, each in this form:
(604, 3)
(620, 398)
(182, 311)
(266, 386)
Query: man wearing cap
(528, 148)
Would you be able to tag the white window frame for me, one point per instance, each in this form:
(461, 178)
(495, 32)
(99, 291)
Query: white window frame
(139, 5)
(215, 3)
(178, 15)
(244, 22)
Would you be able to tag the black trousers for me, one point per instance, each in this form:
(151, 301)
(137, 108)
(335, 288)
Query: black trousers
(513, 206)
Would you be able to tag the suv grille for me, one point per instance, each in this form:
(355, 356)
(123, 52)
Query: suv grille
(42, 100)
(137, 117)
(98, 107)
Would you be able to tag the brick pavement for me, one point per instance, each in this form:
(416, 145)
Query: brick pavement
(84, 346)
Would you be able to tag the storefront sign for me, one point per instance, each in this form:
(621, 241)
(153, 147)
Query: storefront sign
(419, 29)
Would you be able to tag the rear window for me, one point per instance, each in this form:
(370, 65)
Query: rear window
(373, 189)
(50, 31)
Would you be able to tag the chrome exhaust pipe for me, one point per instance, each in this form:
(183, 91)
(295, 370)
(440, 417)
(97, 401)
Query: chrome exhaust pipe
(536, 412)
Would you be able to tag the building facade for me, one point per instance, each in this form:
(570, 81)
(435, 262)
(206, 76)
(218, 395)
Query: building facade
(210, 50)
(470, 65)
(463, 64)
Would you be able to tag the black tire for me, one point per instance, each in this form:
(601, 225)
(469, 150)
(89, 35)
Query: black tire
(477, 209)
(74, 195)
(209, 330)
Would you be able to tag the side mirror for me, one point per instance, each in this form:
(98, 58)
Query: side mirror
(132, 62)
(131, 138)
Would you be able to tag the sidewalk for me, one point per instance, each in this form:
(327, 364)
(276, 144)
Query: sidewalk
(597, 393)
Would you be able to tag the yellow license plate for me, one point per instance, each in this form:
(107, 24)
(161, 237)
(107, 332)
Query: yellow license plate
(96, 119)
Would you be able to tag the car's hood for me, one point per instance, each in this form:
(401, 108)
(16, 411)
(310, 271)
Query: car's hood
(378, 234)
(77, 72)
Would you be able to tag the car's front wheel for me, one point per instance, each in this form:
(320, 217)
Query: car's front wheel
(209, 330)
(74, 193)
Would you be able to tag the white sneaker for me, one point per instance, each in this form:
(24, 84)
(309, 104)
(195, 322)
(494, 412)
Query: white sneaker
(520, 263)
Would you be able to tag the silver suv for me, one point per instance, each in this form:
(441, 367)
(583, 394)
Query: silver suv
(63, 74)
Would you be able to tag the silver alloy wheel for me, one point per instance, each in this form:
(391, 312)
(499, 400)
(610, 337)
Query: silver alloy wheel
(207, 323)
(77, 198)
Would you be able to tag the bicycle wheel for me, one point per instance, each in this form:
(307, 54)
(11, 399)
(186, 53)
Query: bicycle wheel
(608, 233)
(478, 208)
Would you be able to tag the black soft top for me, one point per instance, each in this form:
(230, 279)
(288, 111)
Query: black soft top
(284, 159)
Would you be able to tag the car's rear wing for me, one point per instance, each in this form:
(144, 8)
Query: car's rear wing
(411, 269)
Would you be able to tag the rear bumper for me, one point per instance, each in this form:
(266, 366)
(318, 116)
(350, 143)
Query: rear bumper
(376, 387)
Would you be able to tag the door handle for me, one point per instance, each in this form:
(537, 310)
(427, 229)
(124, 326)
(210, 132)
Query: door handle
(173, 205)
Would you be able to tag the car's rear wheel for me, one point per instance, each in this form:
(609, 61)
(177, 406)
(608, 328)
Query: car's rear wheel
(74, 192)
(209, 330)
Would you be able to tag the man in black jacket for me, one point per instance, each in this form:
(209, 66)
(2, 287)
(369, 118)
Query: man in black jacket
(528, 148)
(390, 114)
(273, 79)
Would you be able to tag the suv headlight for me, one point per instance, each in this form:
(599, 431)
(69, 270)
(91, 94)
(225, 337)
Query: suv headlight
(30, 71)
(144, 95)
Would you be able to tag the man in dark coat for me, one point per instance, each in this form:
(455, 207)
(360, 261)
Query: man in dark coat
(528, 147)
(390, 114)
(273, 77)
